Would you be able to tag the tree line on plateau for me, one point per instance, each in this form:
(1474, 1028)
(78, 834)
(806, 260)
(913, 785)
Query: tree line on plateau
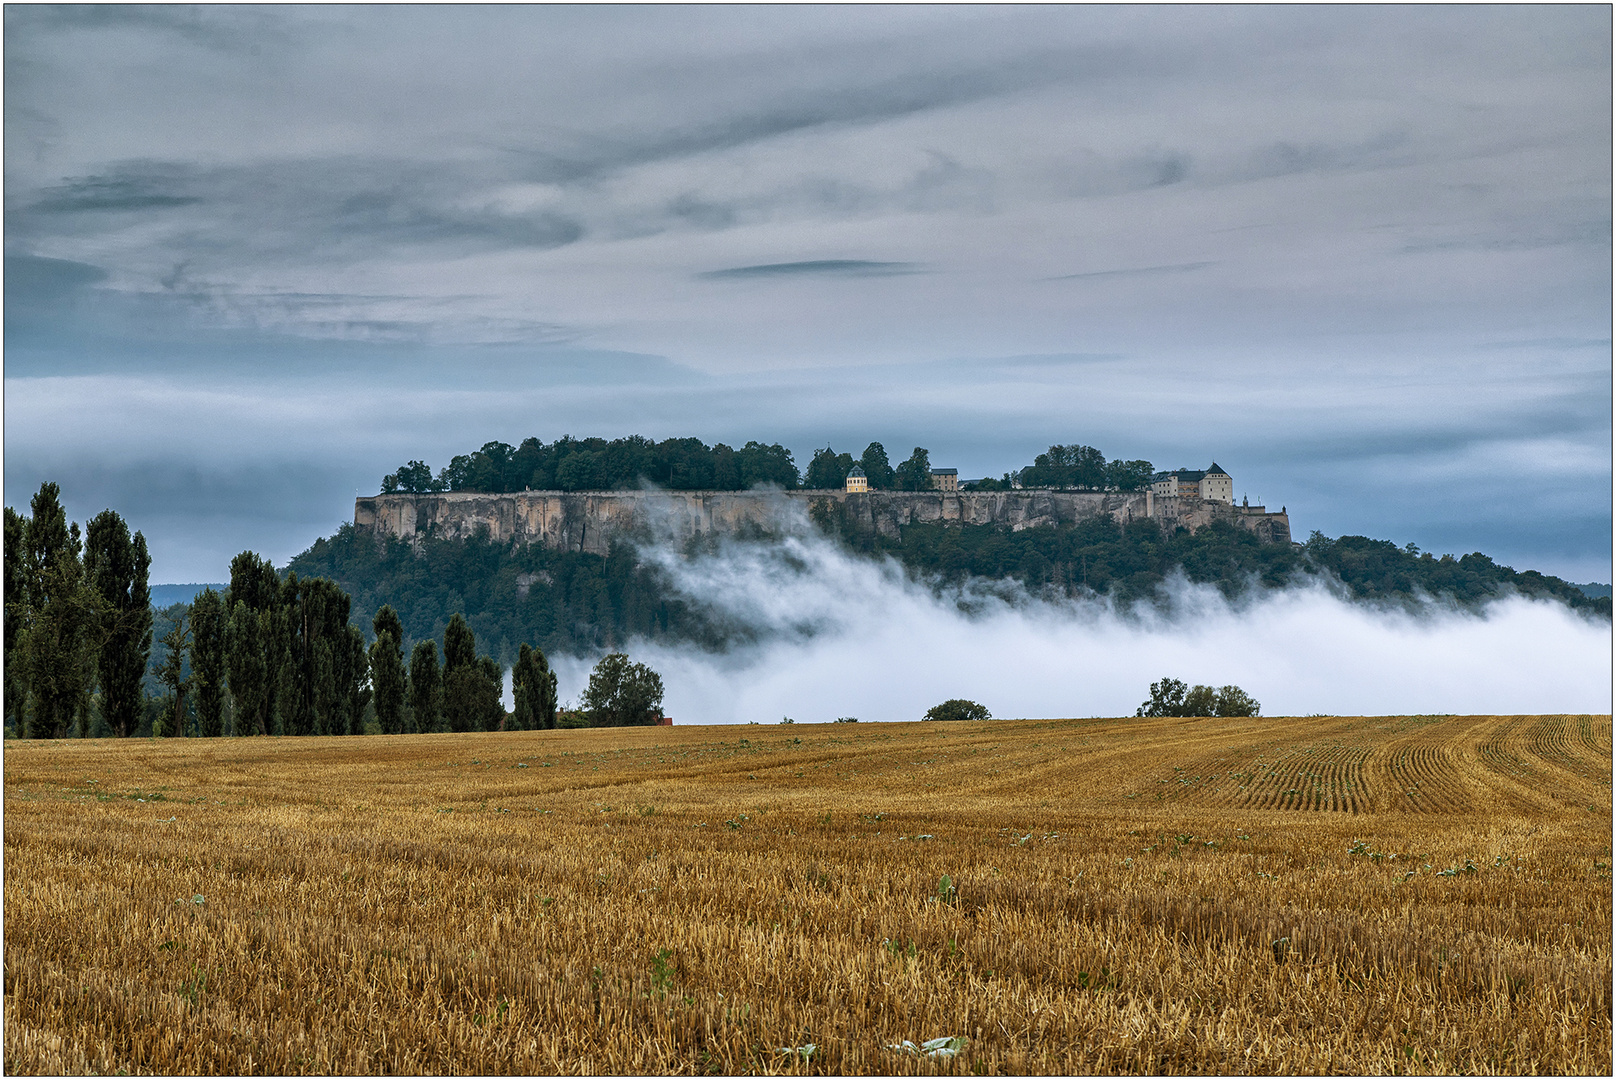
(595, 464)
(268, 655)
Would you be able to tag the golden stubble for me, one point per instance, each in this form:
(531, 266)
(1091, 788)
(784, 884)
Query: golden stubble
(1272, 895)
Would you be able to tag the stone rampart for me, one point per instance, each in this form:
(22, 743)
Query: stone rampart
(589, 520)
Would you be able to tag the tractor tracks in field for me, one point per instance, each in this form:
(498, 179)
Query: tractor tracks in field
(1429, 765)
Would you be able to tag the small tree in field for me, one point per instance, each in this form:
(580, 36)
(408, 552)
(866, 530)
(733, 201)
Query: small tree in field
(1233, 701)
(622, 693)
(1173, 698)
(958, 709)
(1166, 699)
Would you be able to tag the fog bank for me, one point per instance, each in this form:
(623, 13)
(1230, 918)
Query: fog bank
(844, 636)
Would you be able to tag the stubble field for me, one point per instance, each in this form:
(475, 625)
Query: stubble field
(1274, 895)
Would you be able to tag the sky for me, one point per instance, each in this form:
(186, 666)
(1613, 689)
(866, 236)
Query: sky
(1359, 256)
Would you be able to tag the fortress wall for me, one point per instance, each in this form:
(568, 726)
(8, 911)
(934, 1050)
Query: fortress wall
(589, 521)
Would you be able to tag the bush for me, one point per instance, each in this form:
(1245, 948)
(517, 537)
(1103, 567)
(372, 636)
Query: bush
(623, 694)
(1172, 698)
(958, 709)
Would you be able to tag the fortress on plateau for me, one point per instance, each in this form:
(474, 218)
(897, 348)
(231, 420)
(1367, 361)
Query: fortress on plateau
(589, 521)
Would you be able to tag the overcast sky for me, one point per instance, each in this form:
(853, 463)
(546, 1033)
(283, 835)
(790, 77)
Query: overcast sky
(1360, 256)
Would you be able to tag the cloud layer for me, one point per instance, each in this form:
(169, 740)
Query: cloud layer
(1361, 256)
(840, 636)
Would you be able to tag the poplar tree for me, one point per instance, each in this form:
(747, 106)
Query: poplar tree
(426, 687)
(462, 680)
(16, 606)
(117, 569)
(176, 641)
(387, 670)
(208, 627)
(249, 682)
(488, 709)
(254, 583)
(60, 615)
(354, 671)
(533, 686)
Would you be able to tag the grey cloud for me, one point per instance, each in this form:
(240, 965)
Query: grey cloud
(1558, 344)
(816, 268)
(135, 186)
(859, 101)
(330, 209)
(32, 280)
(1139, 271)
(224, 27)
(1594, 233)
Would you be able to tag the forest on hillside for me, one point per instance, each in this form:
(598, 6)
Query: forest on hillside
(595, 464)
(572, 602)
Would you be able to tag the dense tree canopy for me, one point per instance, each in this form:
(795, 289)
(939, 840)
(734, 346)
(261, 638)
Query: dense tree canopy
(688, 464)
(1171, 697)
(958, 709)
(877, 468)
(915, 473)
(117, 567)
(570, 464)
(59, 619)
(828, 469)
(622, 693)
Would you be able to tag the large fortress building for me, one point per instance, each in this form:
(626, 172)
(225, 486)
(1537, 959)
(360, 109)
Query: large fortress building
(1212, 484)
(590, 520)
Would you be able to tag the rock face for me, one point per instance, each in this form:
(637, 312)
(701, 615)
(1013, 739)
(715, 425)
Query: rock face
(589, 520)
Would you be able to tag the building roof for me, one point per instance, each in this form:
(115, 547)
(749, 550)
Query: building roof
(855, 471)
(945, 472)
(1190, 475)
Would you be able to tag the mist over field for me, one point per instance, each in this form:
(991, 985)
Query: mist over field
(838, 635)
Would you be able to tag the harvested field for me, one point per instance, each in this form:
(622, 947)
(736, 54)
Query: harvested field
(1272, 895)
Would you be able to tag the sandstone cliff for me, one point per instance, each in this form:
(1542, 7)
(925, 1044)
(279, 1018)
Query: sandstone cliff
(589, 521)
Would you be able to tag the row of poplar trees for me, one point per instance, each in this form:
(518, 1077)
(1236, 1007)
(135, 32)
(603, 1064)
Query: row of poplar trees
(78, 618)
(77, 614)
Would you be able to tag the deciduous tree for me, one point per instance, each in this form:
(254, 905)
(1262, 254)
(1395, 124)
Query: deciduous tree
(208, 666)
(1166, 699)
(61, 615)
(177, 641)
(387, 670)
(915, 474)
(622, 693)
(958, 709)
(828, 469)
(117, 568)
(877, 468)
(426, 687)
(533, 685)
(248, 670)
(16, 606)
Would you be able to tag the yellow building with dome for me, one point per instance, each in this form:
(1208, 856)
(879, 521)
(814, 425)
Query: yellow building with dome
(857, 482)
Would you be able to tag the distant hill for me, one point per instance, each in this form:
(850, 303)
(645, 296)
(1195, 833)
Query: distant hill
(577, 602)
(1593, 589)
(164, 595)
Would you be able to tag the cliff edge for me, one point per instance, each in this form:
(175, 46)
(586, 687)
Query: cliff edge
(589, 521)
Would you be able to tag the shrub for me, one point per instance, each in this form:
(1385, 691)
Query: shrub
(958, 709)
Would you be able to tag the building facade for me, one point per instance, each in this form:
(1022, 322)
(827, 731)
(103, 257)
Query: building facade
(1212, 484)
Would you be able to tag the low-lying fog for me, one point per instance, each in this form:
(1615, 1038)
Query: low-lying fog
(845, 636)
